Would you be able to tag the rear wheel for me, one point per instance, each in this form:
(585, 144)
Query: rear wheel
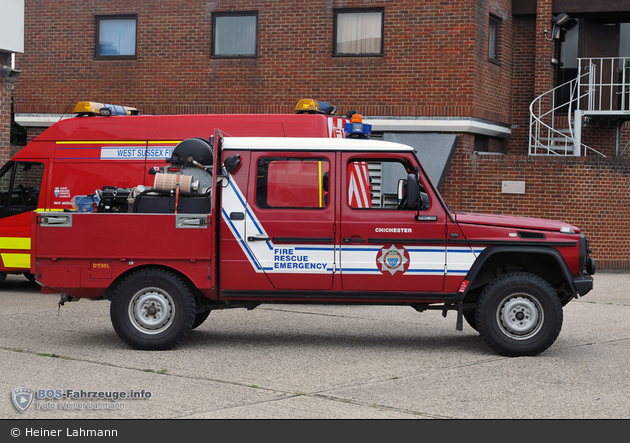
(152, 309)
(519, 314)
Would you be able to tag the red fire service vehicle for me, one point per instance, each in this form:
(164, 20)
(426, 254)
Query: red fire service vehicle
(70, 160)
(243, 221)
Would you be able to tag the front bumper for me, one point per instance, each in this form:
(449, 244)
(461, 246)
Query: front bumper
(582, 283)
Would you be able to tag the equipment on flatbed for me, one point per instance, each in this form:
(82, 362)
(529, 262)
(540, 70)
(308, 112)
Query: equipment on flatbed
(183, 187)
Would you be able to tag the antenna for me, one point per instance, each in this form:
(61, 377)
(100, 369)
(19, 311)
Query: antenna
(66, 110)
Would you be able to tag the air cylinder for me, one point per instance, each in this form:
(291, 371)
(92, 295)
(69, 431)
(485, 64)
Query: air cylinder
(173, 181)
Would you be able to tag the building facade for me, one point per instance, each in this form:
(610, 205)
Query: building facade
(11, 42)
(454, 78)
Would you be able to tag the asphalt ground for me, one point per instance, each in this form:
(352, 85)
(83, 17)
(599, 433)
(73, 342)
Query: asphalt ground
(313, 362)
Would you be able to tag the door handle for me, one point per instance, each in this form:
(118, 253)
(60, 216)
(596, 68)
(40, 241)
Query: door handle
(258, 238)
(354, 240)
(58, 220)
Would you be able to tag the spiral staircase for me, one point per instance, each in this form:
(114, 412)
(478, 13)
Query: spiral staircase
(599, 93)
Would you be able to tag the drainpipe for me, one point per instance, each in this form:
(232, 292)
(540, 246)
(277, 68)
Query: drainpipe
(577, 133)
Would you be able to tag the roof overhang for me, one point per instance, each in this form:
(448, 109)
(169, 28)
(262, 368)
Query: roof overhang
(379, 124)
(39, 120)
(437, 124)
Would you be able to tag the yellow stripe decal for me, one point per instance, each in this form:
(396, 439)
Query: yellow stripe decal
(321, 184)
(48, 210)
(15, 243)
(117, 142)
(109, 142)
(16, 260)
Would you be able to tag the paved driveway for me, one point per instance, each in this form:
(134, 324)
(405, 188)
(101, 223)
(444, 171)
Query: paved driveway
(314, 362)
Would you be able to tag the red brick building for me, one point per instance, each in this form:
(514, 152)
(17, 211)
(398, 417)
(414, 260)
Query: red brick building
(425, 73)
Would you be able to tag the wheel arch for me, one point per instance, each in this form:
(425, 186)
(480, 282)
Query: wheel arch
(153, 308)
(519, 314)
(109, 291)
(543, 261)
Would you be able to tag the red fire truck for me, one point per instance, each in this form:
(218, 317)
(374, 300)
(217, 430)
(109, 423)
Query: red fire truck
(76, 156)
(244, 221)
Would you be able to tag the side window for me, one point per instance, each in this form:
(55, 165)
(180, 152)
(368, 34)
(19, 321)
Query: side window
(296, 183)
(234, 34)
(116, 36)
(493, 38)
(358, 32)
(378, 184)
(19, 187)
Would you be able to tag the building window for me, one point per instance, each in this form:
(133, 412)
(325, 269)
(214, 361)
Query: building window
(358, 32)
(116, 36)
(493, 39)
(234, 34)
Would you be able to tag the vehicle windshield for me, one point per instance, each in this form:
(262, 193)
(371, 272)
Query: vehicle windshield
(19, 187)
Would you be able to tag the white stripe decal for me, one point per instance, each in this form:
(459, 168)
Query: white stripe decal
(264, 256)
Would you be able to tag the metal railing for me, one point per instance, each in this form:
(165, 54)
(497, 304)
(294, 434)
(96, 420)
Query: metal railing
(601, 89)
(544, 138)
(608, 86)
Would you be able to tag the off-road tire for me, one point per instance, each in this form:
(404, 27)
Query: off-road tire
(152, 309)
(519, 314)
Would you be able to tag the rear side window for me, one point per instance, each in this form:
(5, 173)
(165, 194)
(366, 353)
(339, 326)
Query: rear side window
(20, 183)
(296, 183)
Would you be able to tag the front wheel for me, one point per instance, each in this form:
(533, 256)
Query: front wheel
(519, 314)
(152, 309)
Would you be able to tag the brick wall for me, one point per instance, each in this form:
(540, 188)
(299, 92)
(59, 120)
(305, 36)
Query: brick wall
(524, 81)
(5, 110)
(493, 79)
(590, 193)
(33, 133)
(435, 59)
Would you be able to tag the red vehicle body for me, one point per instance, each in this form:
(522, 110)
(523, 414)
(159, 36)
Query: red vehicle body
(288, 223)
(75, 157)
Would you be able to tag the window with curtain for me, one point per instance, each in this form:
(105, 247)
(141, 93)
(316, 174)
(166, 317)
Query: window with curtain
(234, 35)
(358, 32)
(116, 36)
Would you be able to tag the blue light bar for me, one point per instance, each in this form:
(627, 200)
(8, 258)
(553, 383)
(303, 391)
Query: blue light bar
(357, 130)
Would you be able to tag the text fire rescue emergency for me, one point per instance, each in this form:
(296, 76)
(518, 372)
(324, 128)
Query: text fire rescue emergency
(285, 258)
